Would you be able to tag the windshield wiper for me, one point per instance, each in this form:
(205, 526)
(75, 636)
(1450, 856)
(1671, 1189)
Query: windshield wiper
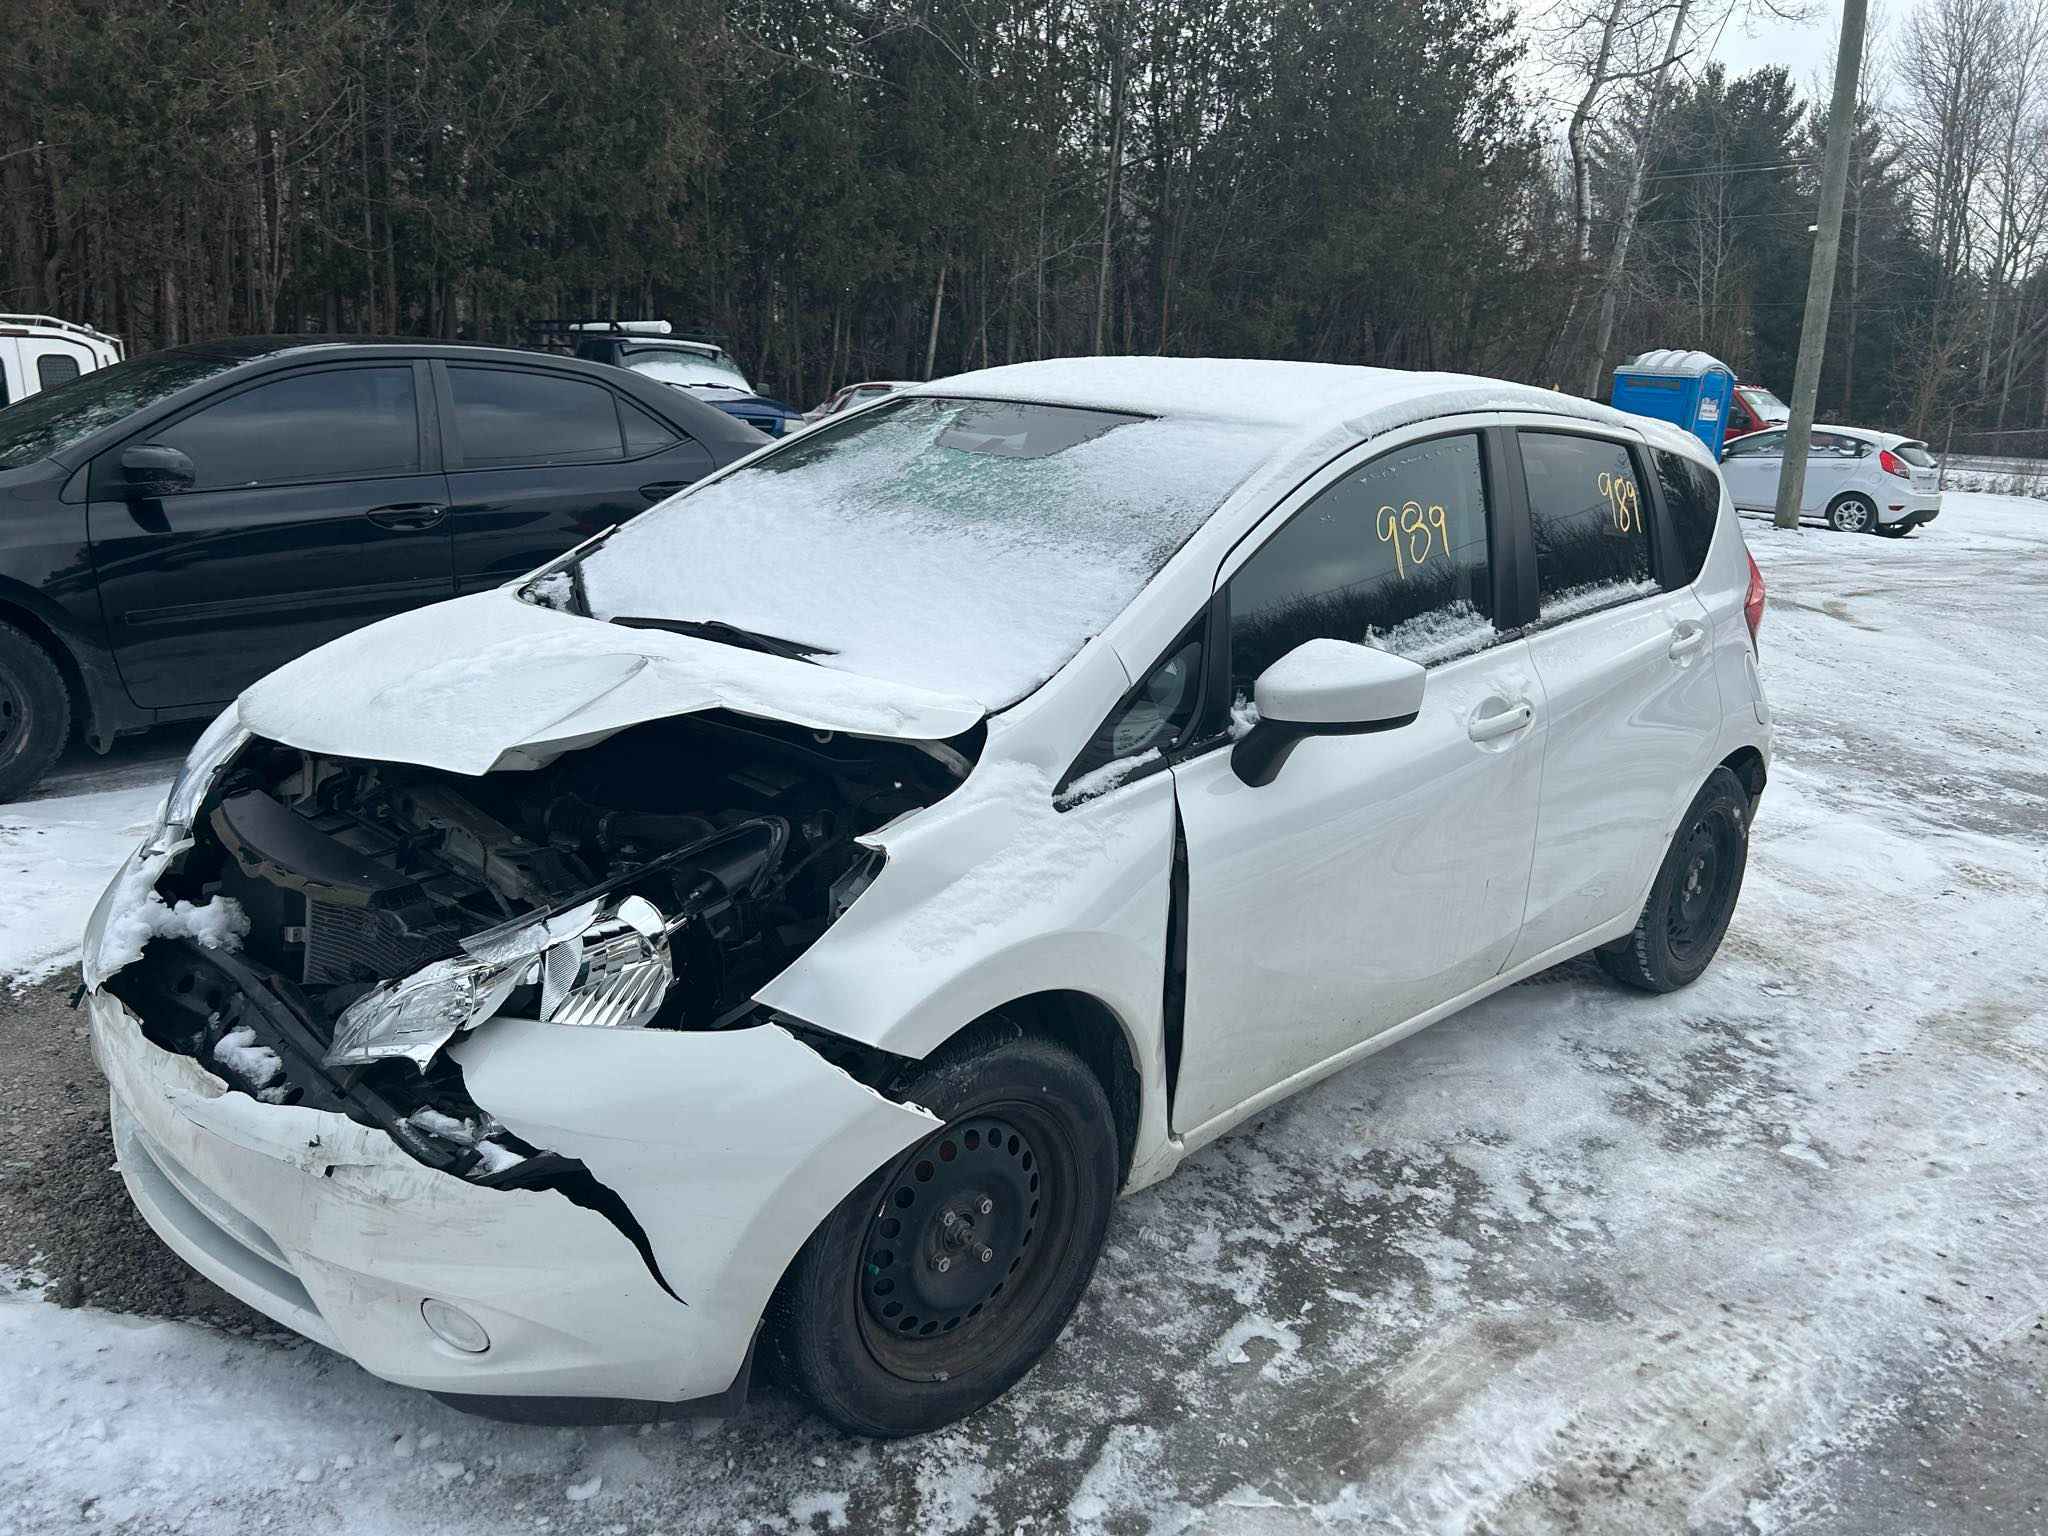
(727, 634)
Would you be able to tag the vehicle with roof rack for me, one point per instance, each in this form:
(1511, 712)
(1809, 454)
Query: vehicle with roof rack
(695, 362)
(39, 352)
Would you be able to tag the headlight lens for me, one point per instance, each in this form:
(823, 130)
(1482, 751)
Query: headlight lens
(415, 1017)
(211, 753)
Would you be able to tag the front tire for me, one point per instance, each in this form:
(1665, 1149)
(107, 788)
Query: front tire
(1693, 897)
(939, 1282)
(1853, 514)
(35, 712)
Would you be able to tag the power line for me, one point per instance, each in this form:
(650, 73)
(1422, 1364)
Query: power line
(1729, 170)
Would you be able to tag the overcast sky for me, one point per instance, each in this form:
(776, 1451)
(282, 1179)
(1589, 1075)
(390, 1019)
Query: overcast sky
(1806, 48)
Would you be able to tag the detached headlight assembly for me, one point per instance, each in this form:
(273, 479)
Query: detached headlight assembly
(598, 965)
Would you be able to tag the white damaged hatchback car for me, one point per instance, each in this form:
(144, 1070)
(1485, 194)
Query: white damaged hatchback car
(792, 919)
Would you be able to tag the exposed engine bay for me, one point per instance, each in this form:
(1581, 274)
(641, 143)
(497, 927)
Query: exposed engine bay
(654, 880)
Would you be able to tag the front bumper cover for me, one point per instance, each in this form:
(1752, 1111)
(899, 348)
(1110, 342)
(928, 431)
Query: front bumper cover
(729, 1148)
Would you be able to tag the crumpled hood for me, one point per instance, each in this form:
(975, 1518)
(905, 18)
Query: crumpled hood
(488, 682)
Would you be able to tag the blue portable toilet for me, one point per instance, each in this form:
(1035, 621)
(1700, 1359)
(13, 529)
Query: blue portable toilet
(1690, 389)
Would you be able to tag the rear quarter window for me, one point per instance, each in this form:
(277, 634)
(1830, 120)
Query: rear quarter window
(1692, 500)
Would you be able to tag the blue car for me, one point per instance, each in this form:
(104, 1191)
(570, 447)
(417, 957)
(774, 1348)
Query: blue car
(702, 368)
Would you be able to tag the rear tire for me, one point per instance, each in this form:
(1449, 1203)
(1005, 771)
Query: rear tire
(35, 712)
(939, 1282)
(1693, 897)
(1853, 514)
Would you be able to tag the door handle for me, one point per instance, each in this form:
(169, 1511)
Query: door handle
(661, 490)
(1688, 639)
(407, 516)
(1514, 718)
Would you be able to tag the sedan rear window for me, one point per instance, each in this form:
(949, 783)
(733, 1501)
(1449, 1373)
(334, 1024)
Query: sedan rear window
(969, 547)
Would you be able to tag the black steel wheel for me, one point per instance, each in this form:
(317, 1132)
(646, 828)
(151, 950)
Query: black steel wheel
(35, 712)
(941, 1280)
(1694, 895)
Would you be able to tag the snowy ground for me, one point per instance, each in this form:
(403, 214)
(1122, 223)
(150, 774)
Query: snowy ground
(1766, 1256)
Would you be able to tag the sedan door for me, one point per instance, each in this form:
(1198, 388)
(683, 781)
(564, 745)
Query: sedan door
(1627, 670)
(318, 507)
(539, 460)
(1751, 466)
(1378, 876)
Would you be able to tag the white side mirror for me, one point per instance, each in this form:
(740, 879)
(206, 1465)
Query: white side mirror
(1325, 688)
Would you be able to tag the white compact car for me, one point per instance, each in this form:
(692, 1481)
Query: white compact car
(796, 915)
(39, 352)
(1857, 481)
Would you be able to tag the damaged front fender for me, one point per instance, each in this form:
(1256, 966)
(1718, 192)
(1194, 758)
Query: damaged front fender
(729, 1147)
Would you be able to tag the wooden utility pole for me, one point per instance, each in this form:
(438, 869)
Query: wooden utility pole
(1820, 282)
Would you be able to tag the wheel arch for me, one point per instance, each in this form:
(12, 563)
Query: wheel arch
(1091, 1029)
(1747, 764)
(21, 616)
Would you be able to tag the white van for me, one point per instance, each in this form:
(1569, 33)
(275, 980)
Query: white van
(40, 352)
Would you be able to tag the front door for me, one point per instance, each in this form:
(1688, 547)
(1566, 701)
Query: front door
(1380, 875)
(1627, 672)
(317, 508)
(538, 461)
(1750, 465)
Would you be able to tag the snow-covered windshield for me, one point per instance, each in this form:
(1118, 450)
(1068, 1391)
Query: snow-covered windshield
(969, 547)
(673, 365)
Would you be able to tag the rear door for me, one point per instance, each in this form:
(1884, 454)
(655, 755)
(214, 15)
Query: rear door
(318, 507)
(1835, 462)
(1627, 676)
(1751, 466)
(539, 460)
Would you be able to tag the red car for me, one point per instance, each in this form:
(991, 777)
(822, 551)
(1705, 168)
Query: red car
(1752, 409)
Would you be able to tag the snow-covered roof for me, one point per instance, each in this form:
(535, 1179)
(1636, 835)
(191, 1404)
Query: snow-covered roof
(1670, 360)
(1259, 392)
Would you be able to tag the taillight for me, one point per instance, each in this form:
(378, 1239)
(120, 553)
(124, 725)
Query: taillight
(1892, 464)
(1753, 600)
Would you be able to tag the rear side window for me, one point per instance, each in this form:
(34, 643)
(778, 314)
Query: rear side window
(506, 416)
(338, 424)
(643, 433)
(1394, 555)
(53, 368)
(1586, 512)
(1692, 499)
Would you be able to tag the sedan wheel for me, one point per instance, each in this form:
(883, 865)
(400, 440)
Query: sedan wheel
(35, 712)
(1852, 514)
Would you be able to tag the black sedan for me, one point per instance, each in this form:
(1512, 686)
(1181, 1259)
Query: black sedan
(173, 528)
